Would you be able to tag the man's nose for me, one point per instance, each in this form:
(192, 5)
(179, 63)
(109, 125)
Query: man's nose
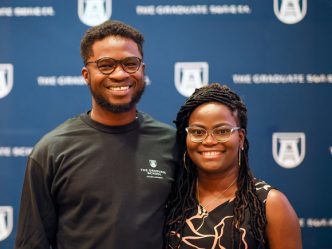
(119, 72)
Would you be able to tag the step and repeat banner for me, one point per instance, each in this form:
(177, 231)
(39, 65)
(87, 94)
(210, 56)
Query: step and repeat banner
(277, 54)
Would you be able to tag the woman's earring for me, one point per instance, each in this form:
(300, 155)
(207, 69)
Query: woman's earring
(239, 154)
(184, 160)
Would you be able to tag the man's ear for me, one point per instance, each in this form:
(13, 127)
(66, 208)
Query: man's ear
(85, 74)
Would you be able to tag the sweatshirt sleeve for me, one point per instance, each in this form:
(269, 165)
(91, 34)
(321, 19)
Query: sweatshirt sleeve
(37, 218)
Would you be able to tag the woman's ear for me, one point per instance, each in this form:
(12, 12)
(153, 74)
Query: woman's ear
(143, 68)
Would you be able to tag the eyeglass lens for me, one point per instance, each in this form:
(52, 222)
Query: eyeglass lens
(220, 133)
(108, 65)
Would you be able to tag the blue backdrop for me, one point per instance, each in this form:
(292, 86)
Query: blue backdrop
(275, 53)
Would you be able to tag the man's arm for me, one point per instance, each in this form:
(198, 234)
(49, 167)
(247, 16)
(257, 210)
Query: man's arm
(37, 218)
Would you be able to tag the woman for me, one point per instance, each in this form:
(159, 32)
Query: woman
(216, 202)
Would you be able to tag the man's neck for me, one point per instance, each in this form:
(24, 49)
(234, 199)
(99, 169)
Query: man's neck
(113, 119)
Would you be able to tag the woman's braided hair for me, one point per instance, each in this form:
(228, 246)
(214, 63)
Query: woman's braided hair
(182, 200)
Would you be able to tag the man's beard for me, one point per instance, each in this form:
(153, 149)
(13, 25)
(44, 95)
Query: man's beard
(102, 102)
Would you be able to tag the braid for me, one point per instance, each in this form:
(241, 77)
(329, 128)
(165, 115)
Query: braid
(183, 190)
(183, 198)
(246, 196)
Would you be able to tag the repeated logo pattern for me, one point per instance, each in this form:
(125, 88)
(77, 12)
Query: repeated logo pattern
(6, 79)
(290, 11)
(94, 12)
(288, 149)
(190, 75)
(6, 221)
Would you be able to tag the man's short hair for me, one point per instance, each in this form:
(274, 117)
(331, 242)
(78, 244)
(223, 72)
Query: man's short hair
(109, 28)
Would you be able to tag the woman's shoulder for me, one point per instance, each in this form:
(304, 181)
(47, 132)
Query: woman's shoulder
(262, 188)
(282, 222)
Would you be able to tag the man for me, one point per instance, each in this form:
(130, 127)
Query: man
(101, 179)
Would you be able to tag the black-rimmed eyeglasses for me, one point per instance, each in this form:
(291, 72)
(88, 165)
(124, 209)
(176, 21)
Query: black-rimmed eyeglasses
(107, 65)
(221, 134)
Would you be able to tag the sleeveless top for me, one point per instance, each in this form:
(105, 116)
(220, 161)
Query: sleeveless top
(213, 229)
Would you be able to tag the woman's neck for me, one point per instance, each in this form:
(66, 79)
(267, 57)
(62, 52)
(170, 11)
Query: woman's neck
(216, 183)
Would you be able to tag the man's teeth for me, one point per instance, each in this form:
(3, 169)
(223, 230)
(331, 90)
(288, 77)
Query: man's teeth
(119, 88)
(211, 153)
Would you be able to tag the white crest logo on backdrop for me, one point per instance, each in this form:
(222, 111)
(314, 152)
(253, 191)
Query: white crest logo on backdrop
(288, 148)
(94, 12)
(6, 79)
(290, 11)
(190, 75)
(6, 221)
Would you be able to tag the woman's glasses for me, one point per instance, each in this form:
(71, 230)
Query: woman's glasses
(221, 134)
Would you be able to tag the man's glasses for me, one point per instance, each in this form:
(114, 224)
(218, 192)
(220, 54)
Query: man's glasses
(107, 65)
(221, 134)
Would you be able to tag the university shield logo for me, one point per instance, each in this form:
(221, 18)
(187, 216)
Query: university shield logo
(290, 11)
(190, 75)
(6, 221)
(153, 163)
(6, 79)
(94, 12)
(288, 149)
